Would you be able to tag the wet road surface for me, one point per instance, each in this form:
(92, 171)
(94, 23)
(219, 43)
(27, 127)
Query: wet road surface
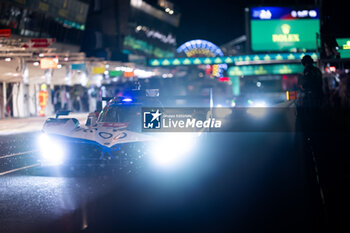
(243, 182)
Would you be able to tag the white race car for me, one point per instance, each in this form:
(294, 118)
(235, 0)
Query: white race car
(112, 136)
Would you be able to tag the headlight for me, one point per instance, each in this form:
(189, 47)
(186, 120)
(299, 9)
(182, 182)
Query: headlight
(260, 104)
(257, 112)
(51, 151)
(172, 150)
(258, 109)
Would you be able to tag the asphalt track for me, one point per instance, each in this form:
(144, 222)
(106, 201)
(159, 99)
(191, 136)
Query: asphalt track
(236, 182)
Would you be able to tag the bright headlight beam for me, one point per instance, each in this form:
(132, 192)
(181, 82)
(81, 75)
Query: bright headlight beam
(52, 153)
(172, 150)
(260, 104)
(258, 109)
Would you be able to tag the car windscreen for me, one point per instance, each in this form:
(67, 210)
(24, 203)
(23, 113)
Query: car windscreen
(128, 114)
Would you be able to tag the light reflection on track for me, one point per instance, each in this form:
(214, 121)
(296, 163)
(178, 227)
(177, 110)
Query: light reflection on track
(19, 169)
(11, 170)
(16, 154)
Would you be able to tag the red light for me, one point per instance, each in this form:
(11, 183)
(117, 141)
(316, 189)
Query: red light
(208, 70)
(284, 77)
(330, 69)
(224, 79)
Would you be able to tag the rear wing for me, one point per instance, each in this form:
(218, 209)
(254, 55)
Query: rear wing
(62, 113)
(152, 95)
(107, 98)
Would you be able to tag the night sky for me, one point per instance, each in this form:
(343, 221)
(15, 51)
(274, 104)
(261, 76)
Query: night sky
(221, 21)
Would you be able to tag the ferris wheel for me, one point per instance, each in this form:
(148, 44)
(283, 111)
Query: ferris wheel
(203, 48)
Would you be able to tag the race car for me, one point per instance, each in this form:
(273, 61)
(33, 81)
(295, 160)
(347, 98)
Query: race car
(112, 136)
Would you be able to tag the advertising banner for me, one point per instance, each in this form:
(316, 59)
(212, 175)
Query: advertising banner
(283, 29)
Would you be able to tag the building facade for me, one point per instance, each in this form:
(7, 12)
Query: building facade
(33, 34)
(131, 30)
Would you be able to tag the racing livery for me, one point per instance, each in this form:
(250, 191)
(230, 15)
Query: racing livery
(116, 130)
(114, 136)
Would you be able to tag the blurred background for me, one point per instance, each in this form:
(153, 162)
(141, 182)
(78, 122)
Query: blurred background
(73, 54)
(70, 54)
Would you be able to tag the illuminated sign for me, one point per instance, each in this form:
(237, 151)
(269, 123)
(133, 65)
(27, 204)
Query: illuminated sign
(167, 39)
(39, 43)
(284, 30)
(344, 47)
(129, 74)
(343, 43)
(115, 73)
(98, 70)
(5, 32)
(266, 13)
(285, 37)
(291, 95)
(330, 69)
(196, 52)
(70, 24)
(143, 46)
(79, 66)
(48, 63)
(238, 60)
(224, 79)
(265, 70)
(203, 48)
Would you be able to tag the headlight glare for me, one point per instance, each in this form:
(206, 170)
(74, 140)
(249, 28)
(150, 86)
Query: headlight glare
(172, 150)
(51, 151)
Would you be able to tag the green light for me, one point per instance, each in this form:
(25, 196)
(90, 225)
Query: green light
(187, 61)
(291, 57)
(176, 62)
(166, 62)
(207, 61)
(267, 57)
(115, 73)
(149, 49)
(344, 47)
(197, 61)
(155, 62)
(276, 69)
(279, 57)
(218, 61)
(284, 35)
(229, 60)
